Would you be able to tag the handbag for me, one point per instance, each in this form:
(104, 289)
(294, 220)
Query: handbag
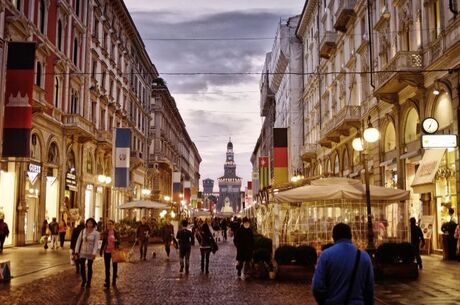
(120, 255)
(214, 246)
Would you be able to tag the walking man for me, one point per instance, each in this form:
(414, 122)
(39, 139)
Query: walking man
(416, 236)
(142, 235)
(54, 228)
(244, 242)
(167, 235)
(185, 237)
(344, 274)
(73, 242)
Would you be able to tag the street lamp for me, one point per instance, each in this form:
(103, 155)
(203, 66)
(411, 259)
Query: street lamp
(370, 135)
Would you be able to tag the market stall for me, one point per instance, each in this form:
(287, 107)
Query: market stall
(307, 214)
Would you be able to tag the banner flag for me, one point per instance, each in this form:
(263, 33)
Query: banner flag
(263, 172)
(177, 186)
(18, 99)
(122, 156)
(280, 156)
(187, 191)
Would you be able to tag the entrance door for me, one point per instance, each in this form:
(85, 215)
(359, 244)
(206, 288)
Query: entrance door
(30, 223)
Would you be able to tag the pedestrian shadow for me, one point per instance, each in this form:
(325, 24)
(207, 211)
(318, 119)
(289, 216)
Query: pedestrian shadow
(82, 296)
(113, 296)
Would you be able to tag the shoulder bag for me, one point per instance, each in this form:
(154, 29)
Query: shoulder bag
(353, 275)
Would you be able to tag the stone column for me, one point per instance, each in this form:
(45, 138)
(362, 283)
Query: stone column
(21, 205)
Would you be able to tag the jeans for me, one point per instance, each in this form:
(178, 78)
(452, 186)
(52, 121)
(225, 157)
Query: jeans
(143, 247)
(107, 259)
(184, 256)
(84, 279)
(54, 241)
(168, 247)
(205, 257)
(2, 241)
(62, 238)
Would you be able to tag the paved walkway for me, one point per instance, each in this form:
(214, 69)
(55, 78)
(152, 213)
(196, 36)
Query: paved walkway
(158, 281)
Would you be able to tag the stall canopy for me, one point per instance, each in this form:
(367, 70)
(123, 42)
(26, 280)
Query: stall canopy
(337, 189)
(143, 204)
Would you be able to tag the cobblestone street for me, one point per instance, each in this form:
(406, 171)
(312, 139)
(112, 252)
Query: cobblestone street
(158, 281)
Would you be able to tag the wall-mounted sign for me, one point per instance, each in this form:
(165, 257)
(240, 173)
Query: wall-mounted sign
(33, 171)
(439, 141)
(71, 182)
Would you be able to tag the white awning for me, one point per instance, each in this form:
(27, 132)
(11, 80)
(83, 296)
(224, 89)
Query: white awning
(426, 172)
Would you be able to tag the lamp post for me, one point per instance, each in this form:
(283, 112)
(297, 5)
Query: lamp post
(370, 135)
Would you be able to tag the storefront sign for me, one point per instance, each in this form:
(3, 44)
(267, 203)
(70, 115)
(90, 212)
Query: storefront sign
(32, 173)
(426, 224)
(439, 141)
(71, 181)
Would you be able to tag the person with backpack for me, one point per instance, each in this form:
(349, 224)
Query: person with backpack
(184, 237)
(4, 233)
(416, 236)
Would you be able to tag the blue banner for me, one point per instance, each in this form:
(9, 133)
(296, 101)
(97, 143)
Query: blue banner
(122, 155)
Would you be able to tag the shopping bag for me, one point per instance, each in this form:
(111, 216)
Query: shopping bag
(120, 255)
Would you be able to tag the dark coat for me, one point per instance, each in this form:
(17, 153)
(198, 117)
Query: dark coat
(75, 234)
(105, 236)
(167, 233)
(184, 237)
(244, 242)
(143, 232)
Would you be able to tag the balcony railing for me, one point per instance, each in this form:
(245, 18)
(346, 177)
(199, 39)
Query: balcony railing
(309, 151)
(340, 124)
(403, 69)
(328, 44)
(78, 124)
(105, 137)
(344, 15)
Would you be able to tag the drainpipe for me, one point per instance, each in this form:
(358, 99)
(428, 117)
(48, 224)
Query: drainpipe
(318, 68)
(371, 53)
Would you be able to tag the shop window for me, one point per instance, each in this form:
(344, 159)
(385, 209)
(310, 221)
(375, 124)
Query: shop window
(443, 111)
(390, 137)
(410, 130)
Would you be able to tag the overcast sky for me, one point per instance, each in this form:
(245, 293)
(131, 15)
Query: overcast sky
(214, 107)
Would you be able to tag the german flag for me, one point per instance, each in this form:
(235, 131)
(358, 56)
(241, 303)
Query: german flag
(280, 156)
(263, 172)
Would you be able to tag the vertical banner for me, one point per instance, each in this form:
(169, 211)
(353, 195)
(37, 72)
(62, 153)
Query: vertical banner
(18, 99)
(280, 156)
(187, 191)
(177, 187)
(122, 155)
(263, 172)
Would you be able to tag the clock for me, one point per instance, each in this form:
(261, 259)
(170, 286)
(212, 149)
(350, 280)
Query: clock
(430, 125)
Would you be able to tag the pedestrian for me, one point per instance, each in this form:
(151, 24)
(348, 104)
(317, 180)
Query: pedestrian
(54, 229)
(448, 228)
(185, 237)
(62, 230)
(110, 241)
(194, 230)
(45, 233)
(142, 236)
(4, 233)
(223, 227)
(205, 239)
(235, 225)
(73, 242)
(244, 242)
(167, 234)
(416, 236)
(86, 249)
(344, 274)
(100, 225)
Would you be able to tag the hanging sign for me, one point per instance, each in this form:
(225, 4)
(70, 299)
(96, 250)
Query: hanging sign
(32, 173)
(439, 141)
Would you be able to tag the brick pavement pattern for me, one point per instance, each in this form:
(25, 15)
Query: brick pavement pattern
(158, 281)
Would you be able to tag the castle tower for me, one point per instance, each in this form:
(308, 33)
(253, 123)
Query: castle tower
(229, 183)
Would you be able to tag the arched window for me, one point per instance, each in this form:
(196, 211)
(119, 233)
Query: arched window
(337, 165)
(75, 51)
(59, 35)
(443, 111)
(390, 138)
(71, 162)
(41, 17)
(53, 156)
(410, 130)
(38, 74)
(56, 92)
(74, 102)
(35, 151)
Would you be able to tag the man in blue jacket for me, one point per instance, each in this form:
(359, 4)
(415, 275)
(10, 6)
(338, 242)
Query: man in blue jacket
(333, 281)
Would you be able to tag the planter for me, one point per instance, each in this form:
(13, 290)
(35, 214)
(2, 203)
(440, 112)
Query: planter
(295, 272)
(396, 271)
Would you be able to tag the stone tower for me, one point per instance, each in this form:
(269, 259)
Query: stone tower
(229, 183)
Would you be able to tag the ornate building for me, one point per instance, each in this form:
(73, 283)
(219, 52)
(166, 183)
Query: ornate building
(229, 183)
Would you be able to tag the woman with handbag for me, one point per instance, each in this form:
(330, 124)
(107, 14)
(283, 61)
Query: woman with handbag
(206, 241)
(110, 242)
(86, 249)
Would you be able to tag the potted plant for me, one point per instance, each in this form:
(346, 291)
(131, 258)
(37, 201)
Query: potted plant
(296, 263)
(262, 257)
(395, 260)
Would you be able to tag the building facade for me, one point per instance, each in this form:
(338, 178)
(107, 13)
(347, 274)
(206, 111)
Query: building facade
(229, 183)
(391, 63)
(92, 75)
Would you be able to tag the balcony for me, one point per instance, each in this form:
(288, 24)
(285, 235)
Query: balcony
(267, 97)
(75, 124)
(136, 159)
(340, 124)
(404, 69)
(105, 138)
(328, 45)
(39, 103)
(345, 15)
(309, 152)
